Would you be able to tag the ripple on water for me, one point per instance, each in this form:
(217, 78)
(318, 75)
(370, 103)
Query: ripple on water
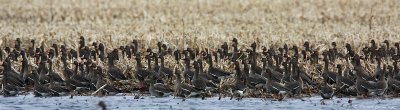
(113, 102)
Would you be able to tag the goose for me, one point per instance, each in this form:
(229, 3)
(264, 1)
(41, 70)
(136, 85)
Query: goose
(51, 53)
(326, 91)
(207, 78)
(55, 77)
(254, 80)
(80, 76)
(74, 85)
(280, 57)
(295, 51)
(187, 72)
(190, 53)
(177, 56)
(378, 69)
(381, 85)
(393, 84)
(334, 51)
(350, 51)
(81, 47)
(304, 55)
(253, 62)
(306, 77)
(127, 50)
(197, 82)
(342, 82)
(108, 89)
(236, 54)
(348, 72)
(10, 90)
(314, 57)
(286, 74)
(307, 47)
(274, 57)
(101, 81)
(225, 50)
(136, 47)
(43, 70)
(239, 84)
(102, 105)
(359, 70)
(114, 73)
(74, 54)
(396, 70)
(371, 49)
(158, 89)
(27, 78)
(327, 75)
(58, 89)
(1, 54)
(215, 72)
(67, 72)
(122, 49)
(102, 53)
(86, 53)
(159, 46)
(218, 55)
(40, 90)
(331, 55)
(363, 86)
(73, 81)
(10, 85)
(31, 49)
(92, 72)
(276, 73)
(387, 44)
(56, 50)
(153, 68)
(182, 89)
(275, 88)
(296, 82)
(141, 73)
(13, 76)
(162, 69)
(17, 45)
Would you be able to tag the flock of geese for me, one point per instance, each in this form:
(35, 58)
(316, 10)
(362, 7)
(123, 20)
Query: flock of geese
(254, 71)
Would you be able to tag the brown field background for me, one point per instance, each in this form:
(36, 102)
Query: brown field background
(200, 23)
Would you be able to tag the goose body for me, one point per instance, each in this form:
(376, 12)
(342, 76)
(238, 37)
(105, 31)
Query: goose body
(326, 91)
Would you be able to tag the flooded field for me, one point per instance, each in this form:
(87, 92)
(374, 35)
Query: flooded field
(128, 102)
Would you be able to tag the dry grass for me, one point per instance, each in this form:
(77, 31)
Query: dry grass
(206, 22)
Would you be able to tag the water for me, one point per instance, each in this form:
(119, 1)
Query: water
(128, 102)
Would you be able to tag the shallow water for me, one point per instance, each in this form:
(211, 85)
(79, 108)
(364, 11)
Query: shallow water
(128, 102)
